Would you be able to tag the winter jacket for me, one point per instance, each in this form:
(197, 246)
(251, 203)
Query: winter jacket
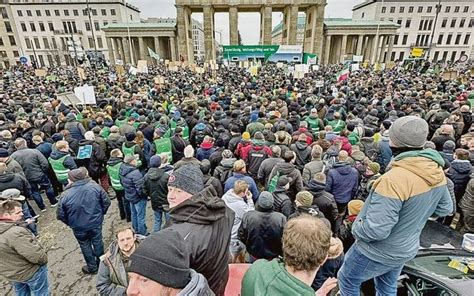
(205, 151)
(132, 182)
(324, 201)
(215, 183)
(312, 168)
(281, 202)
(460, 174)
(439, 141)
(83, 205)
(256, 154)
(289, 170)
(177, 147)
(266, 168)
(17, 181)
(224, 170)
(68, 161)
(22, 255)
(302, 130)
(202, 219)
(467, 206)
(332, 264)
(303, 154)
(13, 166)
(155, 185)
(369, 147)
(33, 163)
(270, 278)
(112, 279)
(229, 184)
(240, 207)
(137, 151)
(385, 153)
(76, 129)
(261, 232)
(342, 182)
(344, 233)
(346, 146)
(388, 228)
(448, 155)
(114, 141)
(45, 148)
(94, 164)
(198, 133)
(197, 286)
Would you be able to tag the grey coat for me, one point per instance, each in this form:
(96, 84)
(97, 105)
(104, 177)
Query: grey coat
(310, 169)
(33, 163)
(266, 168)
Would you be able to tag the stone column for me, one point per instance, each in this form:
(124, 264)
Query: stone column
(142, 54)
(360, 40)
(209, 41)
(290, 16)
(327, 50)
(234, 25)
(185, 39)
(390, 48)
(374, 52)
(156, 41)
(173, 48)
(382, 48)
(343, 48)
(266, 25)
(126, 50)
(314, 30)
(119, 48)
(110, 49)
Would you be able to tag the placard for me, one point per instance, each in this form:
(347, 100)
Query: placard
(319, 83)
(142, 66)
(85, 94)
(81, 73)
(119, 62)
(357, 58)
(355, 67)
(119, 69)
(40, 72)
(132, 70)
(279, 65)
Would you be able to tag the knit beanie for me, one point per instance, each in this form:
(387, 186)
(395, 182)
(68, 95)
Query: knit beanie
(57, 137)
(408, 132)
(305, 198)
(77, 174)
(164, 258)
(155, 161)
(354, 206)
(449, 145)
(265, 200)
(188, 178)
(374, 167)
(130, 136)
(4, 152)
(246, 136)
(358, 155)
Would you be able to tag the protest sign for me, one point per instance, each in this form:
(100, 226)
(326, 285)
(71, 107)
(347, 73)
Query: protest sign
(319, 83)
(40, 72)
(355, 67)
(132, 70)
(81, 73)
(85, 94)
(279, 65)
(142, 66)
(357, 58)
(119, 62)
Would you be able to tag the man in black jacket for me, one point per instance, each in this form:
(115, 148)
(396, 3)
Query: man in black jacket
(155, 185)
(261, 230)
(178, 144)
(205, 223)
(323, 199)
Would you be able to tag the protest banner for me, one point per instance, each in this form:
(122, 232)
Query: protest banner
(85, 94)
(142, 66)
(355, 67)
(40, 72)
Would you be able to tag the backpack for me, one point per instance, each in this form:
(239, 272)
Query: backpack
(255, 159)
(329, 161)
(273, 182)
(224, 174)
(371, 151)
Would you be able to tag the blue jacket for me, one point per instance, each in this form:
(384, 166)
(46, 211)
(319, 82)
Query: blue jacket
(229, 183)
(385, 153)
(45, 148)
(83, 205)
(388, 228)
(342, 182)
(132, 182)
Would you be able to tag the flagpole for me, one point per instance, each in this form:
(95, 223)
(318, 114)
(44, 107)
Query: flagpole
(129, 39)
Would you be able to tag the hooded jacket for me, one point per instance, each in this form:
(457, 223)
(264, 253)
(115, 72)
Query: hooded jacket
(312, 168)
(266, 168)
(68, 161)
(205, 151)
(270, 278)
(202, 219)
(281, 202)
(303, 153)
(132, 182)
(460, 174)
(95, 164)
(261, 232)
(289, 170)
(224, 170)
(17, 181)
(388, 228)
(75, 128)
(83, 205)
(155, 185)
(324, 201)
(197, 286)
(332, 264)
(240, 207)
(467, 206)
(229, 184)
(342, 182)
(22, 255)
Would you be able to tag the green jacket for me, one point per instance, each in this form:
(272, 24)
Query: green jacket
(271, 278)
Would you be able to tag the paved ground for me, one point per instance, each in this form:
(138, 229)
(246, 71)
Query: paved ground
(64, 255)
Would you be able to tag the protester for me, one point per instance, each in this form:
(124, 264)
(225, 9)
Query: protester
(240, 173)
(23, 259)
(376, 233)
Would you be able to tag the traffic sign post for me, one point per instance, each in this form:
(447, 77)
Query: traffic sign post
(23, 60)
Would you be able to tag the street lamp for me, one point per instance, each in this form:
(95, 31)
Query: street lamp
(92, 29)
(438, 9)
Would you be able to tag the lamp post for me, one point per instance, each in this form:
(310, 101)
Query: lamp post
(438, 9)
(92, 28)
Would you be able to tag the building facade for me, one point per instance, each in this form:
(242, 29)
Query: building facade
(444, 29)
(9, 41)
(54, 33)
(198, 40)
(344, 38)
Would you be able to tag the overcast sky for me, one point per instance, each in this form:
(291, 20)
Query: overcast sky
(249, 23)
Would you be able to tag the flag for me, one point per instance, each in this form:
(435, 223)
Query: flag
(153, 54)
(343, 74)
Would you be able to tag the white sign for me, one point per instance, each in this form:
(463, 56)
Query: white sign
(355, 67)
(315, 67)
(319, 83)
(132, 70)
(357, 58)
(119, 62)
(302, 68)
(142, 67)
(279, 65)
(85, 94)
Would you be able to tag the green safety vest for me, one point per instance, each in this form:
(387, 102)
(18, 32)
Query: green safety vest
(59, 169)
(163, 145)
(313, 124)
(105, 132)
(114, 172)
(174, 125)
(131, 151)
(119, 123)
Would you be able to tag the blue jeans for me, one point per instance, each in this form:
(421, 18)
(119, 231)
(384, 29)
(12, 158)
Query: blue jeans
(43, 184)
(91, 245)
(158, 218)
(138, 211)
(357, 268)
(37, 285)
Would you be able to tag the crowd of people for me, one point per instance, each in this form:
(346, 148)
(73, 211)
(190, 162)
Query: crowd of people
(312, 187)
